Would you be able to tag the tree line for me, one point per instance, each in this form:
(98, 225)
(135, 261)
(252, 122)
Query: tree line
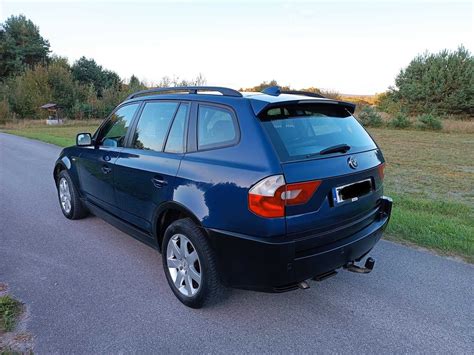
(30, 76)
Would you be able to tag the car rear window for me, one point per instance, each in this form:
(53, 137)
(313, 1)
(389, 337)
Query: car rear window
(302, 131)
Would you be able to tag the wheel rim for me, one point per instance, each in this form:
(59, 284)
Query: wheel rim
(183, 265)
(64, 195)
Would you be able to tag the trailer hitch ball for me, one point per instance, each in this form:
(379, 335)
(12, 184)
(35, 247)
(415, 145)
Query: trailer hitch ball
(370, 263)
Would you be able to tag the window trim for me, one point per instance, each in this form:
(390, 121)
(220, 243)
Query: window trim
(98, 132)
(134, 126)
(213, 146)
(185, 130)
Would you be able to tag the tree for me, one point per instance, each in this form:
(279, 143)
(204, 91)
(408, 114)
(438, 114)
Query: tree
(21, 46)
(263, 85)
(64, 89)
(87, 72)
(441, 83)
(28, 91)
(166, 81)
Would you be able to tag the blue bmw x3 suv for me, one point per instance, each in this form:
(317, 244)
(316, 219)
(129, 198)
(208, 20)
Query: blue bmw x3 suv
(258, 191)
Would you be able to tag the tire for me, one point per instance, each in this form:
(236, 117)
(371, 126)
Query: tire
(69, 201)
(182, 273)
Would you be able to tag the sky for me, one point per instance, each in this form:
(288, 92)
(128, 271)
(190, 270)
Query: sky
(353, 47)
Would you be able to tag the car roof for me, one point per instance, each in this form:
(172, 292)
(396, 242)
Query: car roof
(258, 100)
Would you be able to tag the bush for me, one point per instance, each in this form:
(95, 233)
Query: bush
(369, 117)
(5, 114)
(387, 102)
(429, 121)
(400, 120)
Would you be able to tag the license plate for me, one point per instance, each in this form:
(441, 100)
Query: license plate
(353, 191)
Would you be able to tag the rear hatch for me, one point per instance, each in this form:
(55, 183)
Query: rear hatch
(324, 142)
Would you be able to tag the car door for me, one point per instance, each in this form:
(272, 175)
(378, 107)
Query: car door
(146, 169)
(96, 163)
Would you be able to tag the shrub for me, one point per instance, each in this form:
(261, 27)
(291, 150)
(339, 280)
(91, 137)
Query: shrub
(369, 117)
(5, 114)
(429, 121)
(400, 120)
(387, 102)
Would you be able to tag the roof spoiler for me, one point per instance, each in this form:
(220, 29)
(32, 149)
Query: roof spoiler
(259, 106)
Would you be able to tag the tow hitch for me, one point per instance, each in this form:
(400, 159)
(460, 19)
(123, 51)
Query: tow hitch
(369, 265)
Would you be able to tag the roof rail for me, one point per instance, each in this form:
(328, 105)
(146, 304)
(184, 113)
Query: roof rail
(276, 91)
(189, 89)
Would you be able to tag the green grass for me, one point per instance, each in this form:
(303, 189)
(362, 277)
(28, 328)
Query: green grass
(64, 135)
(444, 226)
(430, 176)
(10, 310)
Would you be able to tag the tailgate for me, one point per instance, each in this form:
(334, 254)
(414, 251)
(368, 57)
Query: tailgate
(325, 211)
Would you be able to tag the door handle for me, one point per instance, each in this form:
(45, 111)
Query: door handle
(105, 169)
(159, 183)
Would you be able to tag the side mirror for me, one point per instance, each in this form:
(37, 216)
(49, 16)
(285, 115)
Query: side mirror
(83, 139)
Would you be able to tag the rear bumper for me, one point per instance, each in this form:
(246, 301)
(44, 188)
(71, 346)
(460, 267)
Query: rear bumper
(275, 264)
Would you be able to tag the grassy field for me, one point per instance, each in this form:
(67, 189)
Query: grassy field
(64, 135)
(430, 176)
(431, 179)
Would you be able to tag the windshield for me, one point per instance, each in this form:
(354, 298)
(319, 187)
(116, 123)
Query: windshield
(300, 131)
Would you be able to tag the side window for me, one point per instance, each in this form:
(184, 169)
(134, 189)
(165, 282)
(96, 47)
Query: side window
(177, 137)
(216, 127)
(113, 133)
(153, 125)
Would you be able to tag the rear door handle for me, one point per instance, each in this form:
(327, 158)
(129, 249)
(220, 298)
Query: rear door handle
(105, 169)
(159, 183)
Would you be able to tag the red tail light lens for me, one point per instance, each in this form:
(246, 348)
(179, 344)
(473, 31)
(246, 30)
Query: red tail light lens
(265, 197)
(381, 169)
(269, 197)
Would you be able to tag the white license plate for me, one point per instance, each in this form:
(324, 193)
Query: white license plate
(353, 191)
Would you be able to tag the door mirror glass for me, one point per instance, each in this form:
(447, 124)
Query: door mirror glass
(83, 139)
(109, 143)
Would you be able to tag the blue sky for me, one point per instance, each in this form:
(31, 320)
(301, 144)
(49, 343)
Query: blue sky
(352, 47)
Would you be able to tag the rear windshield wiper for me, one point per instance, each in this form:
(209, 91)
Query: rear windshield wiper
(340, 148)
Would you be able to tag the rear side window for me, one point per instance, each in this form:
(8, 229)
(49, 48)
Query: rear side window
(153, 125)
(302, 131)
(217, 127)
(177, 137)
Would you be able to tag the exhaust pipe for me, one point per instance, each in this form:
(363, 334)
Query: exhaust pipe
(303, 285)
(368, 267)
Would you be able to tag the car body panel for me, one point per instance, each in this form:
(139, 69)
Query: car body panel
(137, 190)
(97, 183)
(322, 211)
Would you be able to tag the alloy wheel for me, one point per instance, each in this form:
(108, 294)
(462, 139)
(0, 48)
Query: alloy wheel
(65, 195)
(183, 265)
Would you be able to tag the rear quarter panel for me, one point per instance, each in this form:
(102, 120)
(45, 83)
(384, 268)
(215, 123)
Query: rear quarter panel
(214, 184)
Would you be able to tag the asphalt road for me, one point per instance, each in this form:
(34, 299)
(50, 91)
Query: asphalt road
(91, 288)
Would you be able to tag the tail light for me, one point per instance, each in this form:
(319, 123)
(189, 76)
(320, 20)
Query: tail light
(381, 169)
(269, 197)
